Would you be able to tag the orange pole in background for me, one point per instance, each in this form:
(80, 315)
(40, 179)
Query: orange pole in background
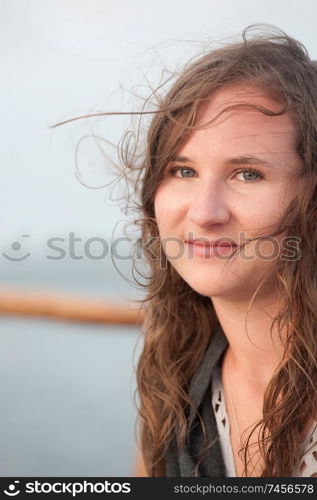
(68, 308)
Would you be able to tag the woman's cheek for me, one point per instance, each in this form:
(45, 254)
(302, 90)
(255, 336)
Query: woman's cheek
(166, 208)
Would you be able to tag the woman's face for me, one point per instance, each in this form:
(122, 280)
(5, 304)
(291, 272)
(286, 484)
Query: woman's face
(229, 181)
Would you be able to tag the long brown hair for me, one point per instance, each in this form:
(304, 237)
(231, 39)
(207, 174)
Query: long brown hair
(175, 338)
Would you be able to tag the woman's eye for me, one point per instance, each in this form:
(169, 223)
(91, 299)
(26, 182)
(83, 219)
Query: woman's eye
(182, 172)
(249, 175)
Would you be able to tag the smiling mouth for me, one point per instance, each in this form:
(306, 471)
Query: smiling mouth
(217, 248)
(211, 244)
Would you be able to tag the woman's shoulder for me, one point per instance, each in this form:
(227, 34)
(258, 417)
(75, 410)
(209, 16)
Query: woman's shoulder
(307, 466)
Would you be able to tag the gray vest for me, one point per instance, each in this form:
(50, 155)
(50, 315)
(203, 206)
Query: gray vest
(182, 463)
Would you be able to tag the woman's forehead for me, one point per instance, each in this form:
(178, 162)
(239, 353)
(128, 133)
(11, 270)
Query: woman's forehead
(235, 112)
(242, 131)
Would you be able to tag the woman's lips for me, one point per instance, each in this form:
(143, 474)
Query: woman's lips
(200, 248)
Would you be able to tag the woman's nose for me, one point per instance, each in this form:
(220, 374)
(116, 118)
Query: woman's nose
(208, 205)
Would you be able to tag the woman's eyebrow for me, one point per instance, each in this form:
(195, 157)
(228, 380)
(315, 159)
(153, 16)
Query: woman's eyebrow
(249, 160)
(239, 160)
(180, 158)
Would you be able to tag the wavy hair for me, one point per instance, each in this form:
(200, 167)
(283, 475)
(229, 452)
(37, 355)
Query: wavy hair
(175, 338)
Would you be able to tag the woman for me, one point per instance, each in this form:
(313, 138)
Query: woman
(227, 191)
(227, 375)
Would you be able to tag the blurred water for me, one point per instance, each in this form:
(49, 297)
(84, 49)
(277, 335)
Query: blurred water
(66, 391)
(95, 278)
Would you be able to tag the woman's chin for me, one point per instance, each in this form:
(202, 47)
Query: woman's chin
(213, 288)
(239, 280)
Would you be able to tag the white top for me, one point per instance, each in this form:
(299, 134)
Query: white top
(307, 466)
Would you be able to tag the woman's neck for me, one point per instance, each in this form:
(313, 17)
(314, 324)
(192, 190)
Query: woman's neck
(253, 353)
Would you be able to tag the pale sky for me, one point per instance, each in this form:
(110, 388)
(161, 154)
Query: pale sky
(65, 58)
